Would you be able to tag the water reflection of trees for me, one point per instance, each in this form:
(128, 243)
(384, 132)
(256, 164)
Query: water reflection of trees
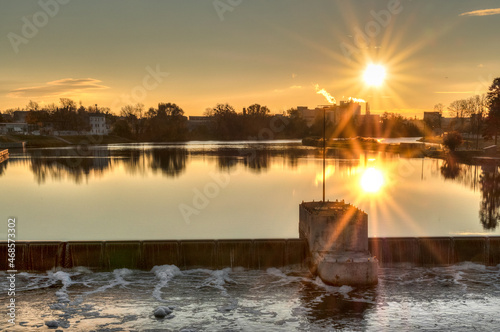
(80, 164)
(259, 159)
(3, 167)
(171, 162)
(256, 159)
(489, 211)
(59, 164)
(450, 169)
(486, 178)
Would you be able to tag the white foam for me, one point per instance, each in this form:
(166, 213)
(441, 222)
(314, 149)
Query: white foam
(119, 280)
(284, 278)
(318, 282)
(165, 273)
(82, 269)
(65, 278)
(344, 289)
(120, 274)
(276, 272)
(218, 279)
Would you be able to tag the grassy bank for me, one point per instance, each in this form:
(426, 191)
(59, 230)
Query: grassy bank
(96, 139)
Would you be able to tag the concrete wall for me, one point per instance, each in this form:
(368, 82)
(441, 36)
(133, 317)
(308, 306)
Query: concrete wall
(250, 254)
(333, 226)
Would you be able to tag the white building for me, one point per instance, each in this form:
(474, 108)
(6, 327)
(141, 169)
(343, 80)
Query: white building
(98, 125)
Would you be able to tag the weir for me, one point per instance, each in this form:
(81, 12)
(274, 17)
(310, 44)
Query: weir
(34, 256)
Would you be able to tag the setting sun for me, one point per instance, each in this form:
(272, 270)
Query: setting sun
(374, 75)
(372, 180)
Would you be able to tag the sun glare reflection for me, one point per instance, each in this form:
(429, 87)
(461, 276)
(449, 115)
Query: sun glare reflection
(372, 180)
(329, 171)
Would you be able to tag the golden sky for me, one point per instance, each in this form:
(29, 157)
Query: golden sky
(200, 53)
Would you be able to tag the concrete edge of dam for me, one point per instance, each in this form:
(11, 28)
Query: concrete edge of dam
(41, 256)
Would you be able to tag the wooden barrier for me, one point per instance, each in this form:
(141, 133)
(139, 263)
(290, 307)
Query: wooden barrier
(249, 254)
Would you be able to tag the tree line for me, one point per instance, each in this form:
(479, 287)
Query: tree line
(166, 121)
(482, 110)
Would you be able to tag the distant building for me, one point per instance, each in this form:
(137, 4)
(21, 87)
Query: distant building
(309, 115)
(20, 116)
(197, 121)
(336, 114)
(13, 128)
(433, 119)
(369, 119)
(98, 125)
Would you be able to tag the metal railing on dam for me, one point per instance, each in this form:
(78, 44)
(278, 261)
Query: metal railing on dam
(251, 254)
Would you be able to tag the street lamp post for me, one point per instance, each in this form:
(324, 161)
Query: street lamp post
(324, 151)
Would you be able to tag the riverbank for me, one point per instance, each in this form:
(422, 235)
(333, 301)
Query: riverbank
(410, 149)
(407, 149)
(45, 141)
(430, 147)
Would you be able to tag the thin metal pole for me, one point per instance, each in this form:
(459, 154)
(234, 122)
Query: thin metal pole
(478, 129)
(324, 150)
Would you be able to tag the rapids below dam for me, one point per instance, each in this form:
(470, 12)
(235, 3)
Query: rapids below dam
(461, 297)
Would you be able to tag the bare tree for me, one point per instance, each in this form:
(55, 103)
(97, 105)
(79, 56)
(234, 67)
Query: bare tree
(32, 106)
(439, 108)
(67, 104)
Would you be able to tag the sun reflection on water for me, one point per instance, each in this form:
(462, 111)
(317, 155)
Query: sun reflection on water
(372, 180)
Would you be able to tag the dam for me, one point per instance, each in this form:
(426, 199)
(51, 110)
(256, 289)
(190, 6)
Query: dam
(250, 254)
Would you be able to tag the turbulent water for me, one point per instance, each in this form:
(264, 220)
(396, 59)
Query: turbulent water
(463, 297)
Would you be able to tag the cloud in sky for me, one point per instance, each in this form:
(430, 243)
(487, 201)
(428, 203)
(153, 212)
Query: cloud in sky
(456, 92)
(482, 12)
(63, 87)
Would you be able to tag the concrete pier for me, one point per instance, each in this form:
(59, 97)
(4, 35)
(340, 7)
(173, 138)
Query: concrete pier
(337, 239)
(4, 155)
(250, 254)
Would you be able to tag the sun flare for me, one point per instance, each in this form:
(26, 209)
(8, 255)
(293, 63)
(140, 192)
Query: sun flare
(374, 75)
(372, 180)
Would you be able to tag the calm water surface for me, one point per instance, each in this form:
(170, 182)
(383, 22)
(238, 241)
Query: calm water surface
(217, 190)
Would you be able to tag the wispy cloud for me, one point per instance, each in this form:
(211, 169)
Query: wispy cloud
(456, 92)
(482, 12)
(63, 87)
